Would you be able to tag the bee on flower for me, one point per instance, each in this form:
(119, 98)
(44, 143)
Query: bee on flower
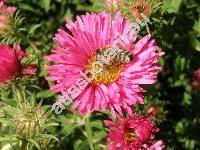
(88, 78)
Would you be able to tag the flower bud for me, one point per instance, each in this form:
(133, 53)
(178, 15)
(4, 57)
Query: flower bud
(153, 111)
(141, 7)
(29, 120)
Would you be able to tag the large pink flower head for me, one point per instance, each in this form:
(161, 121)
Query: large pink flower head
(6, 17)
(130, 133)
(10, 63)
(81, 66)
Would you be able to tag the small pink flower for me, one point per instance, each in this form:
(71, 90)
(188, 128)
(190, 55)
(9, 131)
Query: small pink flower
(196, 81)
(130, 133)
(197, 76)
(117, 86)
(10, 63)
(9, 9)
(158, 145)
(6, 14)
(114, 5)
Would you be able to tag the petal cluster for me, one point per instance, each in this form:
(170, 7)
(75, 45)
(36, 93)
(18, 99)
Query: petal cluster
(130, 133)
(10, 63)
(5, 8)
(87, 34)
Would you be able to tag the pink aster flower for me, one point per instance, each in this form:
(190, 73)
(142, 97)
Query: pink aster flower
(6, 20)
(8, 9)
(130, 133)
(10, 63)
(117, 85)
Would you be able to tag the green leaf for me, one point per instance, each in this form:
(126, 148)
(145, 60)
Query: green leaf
(51, 125)
(97, 124)
(29, 8)
(196, 44)
(172, 6)
(34, 28)
(81, 145)
(5, 139)
(69, 129)
(196, 26)
(46, 5)
(45, 94)
(100, 135)
(48, 136)
(34, 143)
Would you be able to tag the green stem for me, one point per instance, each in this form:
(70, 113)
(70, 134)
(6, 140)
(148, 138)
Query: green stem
(24, 144)
(89, 131)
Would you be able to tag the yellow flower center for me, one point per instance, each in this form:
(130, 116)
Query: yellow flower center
(109, 73)
(129, 135)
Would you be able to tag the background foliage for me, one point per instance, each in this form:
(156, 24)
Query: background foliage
(176, 27)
